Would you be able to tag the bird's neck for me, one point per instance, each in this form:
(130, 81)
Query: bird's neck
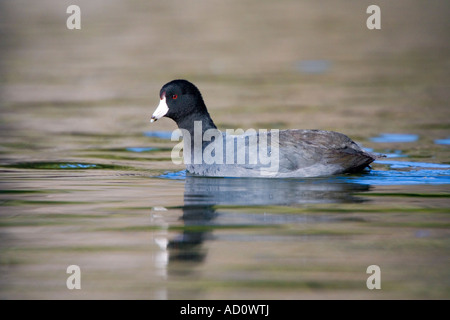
(193, 130)
(197, 123)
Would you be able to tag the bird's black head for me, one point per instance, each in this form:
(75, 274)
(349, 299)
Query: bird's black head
(181, 101)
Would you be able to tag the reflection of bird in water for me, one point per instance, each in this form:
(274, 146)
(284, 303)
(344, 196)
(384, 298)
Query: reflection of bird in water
(186, 246)
(202, 194)
(258, 192)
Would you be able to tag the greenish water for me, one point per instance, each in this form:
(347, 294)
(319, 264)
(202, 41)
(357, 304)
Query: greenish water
(86, 180)
(162, 234)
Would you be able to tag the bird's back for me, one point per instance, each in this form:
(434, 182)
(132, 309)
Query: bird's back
(284, 153)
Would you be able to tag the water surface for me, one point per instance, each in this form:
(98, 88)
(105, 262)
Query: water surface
(162, 235)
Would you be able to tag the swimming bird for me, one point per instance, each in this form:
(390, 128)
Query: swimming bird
(289, 153)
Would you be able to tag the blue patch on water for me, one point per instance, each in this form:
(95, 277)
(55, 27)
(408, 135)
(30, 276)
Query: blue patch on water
(159, 134)
(419, 173)
(140, 149)
(443, 141)
(179, 175)
(77, 166)
(412, 164)
(395, 137)
(394, 177)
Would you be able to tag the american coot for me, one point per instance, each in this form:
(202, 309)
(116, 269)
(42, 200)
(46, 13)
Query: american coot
(275, 153)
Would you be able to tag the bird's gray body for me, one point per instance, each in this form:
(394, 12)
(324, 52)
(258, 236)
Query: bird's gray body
(300, 153)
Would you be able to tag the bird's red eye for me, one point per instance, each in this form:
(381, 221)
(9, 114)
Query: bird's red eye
(174, 96)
